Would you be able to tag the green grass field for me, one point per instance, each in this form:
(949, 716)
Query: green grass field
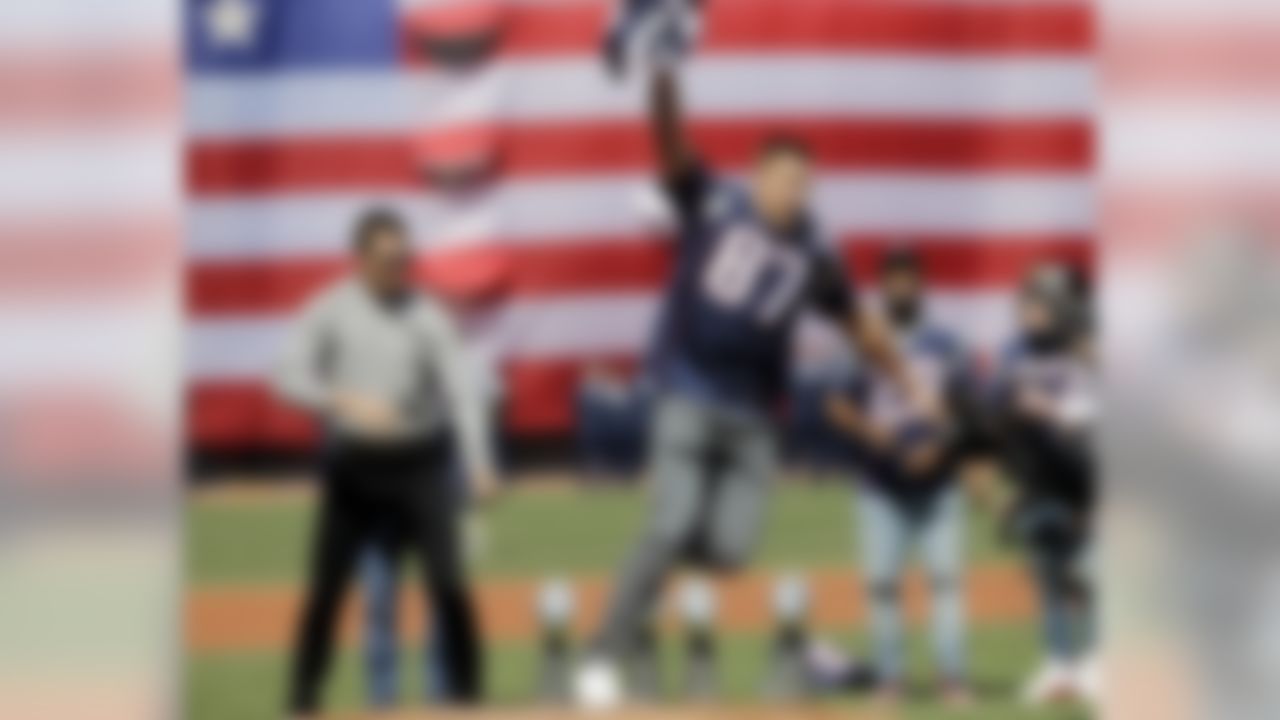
(543, 532)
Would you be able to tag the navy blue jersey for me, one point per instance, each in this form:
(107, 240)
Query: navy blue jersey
(725, 332)
(1048, 461)
(939, 364)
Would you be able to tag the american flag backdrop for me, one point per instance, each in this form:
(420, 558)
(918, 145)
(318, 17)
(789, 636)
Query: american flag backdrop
(963, 125)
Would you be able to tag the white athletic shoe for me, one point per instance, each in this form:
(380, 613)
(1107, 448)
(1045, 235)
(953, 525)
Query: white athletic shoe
(597, 686)
(1054, 681)
(1088, 679)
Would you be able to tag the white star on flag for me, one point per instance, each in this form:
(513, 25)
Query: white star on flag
(232, 23)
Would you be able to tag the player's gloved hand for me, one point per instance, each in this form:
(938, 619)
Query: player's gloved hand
(651, 33)
(874, 437)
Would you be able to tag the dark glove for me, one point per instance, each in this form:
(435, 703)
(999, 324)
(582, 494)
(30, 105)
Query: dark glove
(651, 32)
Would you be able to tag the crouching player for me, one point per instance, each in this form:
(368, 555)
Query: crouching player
(749, 261)
(909, 492)
(1045, 405)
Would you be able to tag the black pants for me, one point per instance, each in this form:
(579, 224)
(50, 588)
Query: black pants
(399, 496)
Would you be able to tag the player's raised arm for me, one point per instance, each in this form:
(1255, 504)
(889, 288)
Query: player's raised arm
(655, 36)
(666, 116)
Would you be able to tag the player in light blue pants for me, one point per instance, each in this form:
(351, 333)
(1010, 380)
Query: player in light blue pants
(908, 496)
(888, 533)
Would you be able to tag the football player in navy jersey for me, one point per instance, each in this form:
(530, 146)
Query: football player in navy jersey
(749, 261)
(909, 492)
(1045, 405)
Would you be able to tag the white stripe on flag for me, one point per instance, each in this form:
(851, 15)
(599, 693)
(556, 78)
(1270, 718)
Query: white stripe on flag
(245, 347)
(347, 102)
(623, 207)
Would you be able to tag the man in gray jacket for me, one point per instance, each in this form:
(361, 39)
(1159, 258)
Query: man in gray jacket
(384, 369)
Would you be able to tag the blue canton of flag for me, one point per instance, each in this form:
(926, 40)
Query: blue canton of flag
(266, 35)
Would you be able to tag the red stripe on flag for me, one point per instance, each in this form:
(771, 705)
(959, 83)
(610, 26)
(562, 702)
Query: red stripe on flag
(88, 86)
(464, 17)
(567, 268)
(1150, 217)
(332, 163)
(1214, 61)
(42, 256)
(241, 416)
(817, 25)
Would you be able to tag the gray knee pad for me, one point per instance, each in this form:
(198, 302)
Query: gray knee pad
(671, 540)
(726, 553)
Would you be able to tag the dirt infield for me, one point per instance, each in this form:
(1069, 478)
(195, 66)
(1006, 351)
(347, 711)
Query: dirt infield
(263, 618)
(779, 712)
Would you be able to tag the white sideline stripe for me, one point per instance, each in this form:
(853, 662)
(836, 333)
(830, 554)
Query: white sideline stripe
(535, 211)
(244, 347)
(577, 89)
